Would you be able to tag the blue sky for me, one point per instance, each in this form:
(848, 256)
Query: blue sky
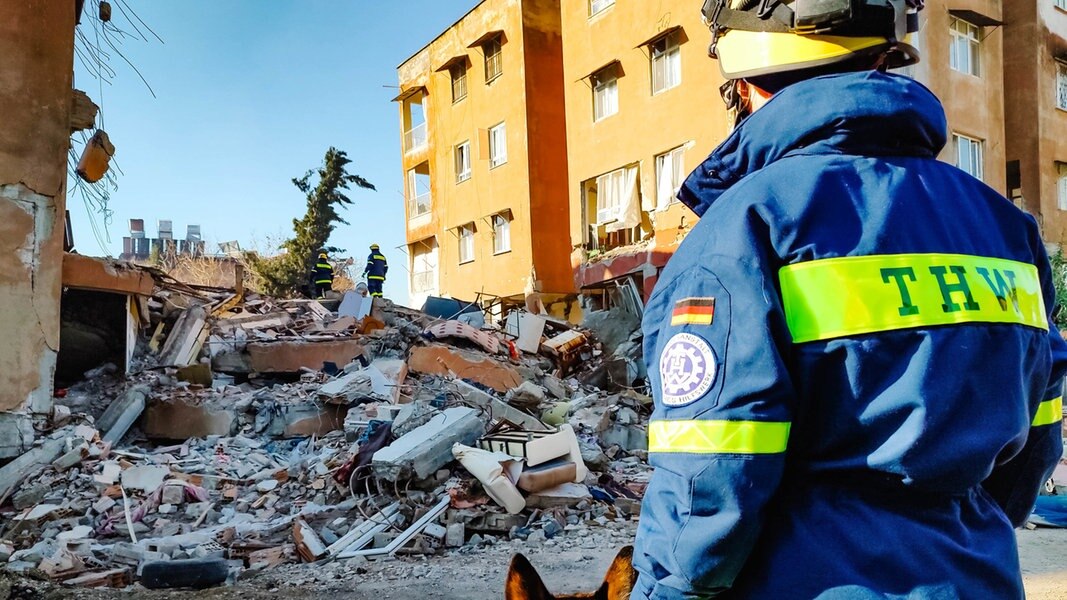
(249, 95)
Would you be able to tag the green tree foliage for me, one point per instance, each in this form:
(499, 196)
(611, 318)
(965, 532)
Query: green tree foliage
(286, 275)
(1059, 275)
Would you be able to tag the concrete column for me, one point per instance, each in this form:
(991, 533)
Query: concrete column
(37, 46)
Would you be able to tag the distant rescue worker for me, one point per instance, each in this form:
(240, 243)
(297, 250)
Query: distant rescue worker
(377, 267)
(322, 275)
(856, 376)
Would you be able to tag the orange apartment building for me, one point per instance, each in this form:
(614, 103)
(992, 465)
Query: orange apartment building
(1035, 60)
(485, 155)
(642, 110)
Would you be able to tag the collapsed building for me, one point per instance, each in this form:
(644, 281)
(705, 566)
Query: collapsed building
(217, 433)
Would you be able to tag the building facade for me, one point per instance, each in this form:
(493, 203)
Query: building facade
(642, 108)
(1035, 58)
(485, 156)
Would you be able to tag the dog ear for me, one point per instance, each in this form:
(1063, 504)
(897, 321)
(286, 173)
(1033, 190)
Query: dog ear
(621, 577)
(523, 582)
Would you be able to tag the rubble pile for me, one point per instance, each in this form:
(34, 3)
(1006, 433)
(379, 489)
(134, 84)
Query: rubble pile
(255, 434)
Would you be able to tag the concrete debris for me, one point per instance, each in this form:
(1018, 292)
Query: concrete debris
(251, 434)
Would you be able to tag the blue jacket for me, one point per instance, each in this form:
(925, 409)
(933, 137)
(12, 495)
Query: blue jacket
(377, 266)
(857, 387)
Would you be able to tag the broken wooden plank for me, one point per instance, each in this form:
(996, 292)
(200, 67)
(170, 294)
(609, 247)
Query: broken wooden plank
(182, 341)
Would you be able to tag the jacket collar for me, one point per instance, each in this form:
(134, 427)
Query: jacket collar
(867, 113)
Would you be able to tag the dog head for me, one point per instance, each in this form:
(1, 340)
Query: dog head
(523, 582)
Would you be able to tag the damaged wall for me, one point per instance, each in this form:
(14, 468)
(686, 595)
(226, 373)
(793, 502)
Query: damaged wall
(37, 43)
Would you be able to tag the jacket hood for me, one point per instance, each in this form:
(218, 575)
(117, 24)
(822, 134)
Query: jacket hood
(867, 113)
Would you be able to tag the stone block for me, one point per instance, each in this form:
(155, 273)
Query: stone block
(16, 434)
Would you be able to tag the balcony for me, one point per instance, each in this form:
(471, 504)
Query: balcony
(419, 205)
(415, 138)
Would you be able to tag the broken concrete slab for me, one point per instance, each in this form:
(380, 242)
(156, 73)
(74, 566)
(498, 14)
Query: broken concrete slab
(146, 478)
(498, 408)
(444, 360)
(100, 274)
(428, 448)
(180, 420)
(379, 381)
(185, 338)
(29, 463)
(566, 495)
(16, 433)
(290, 356)
(122, 413)
(305, 418)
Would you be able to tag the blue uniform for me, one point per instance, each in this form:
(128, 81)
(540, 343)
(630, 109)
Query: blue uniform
(857, 386)
(376, 269)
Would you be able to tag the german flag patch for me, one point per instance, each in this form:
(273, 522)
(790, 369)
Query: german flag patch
(693, 311)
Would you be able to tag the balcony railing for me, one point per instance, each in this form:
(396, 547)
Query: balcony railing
(415, 138)
(423, 282)
(418, 206)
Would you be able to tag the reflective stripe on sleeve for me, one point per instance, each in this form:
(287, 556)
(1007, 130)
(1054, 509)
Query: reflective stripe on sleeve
(837, 297)
(1049, 412)
(718, 437)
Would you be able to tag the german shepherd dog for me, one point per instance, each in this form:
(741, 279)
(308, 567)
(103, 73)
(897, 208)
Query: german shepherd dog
(523, 582)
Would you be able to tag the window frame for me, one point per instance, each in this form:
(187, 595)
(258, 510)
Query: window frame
(466, 237)
(496, 58)
(1060, 4)
(678, 174)
(462, 174)
(603, 4)
(970, 38)
(498, 150)
(458, 80)
(602, 81)
(497, 219)
(1061, 185)
(972, 144)
(1061, 84)
(671, 55)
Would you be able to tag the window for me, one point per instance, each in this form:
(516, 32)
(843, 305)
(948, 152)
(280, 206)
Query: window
(965, 50)
(666, 63)
(1061, 185)
(1061, 84)
(419, 199)
(617, 196)
(1061, 4)
(501, 233)
(968, 155)
(458, 72)
(423, 266)
(463, 162)
(494, 64)
(597, 6)
(498, 145)
(670, 173)
(605, 93)
(466, 243)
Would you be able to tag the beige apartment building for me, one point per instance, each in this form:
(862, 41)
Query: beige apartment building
(638, 100)
(485, 156)
(1035, 63)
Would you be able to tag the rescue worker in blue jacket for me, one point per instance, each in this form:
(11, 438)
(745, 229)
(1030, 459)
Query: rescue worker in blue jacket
(375, 272)
(322, 275)
(857, 382)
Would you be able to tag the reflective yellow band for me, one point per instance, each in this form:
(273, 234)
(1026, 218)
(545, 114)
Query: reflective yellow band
(322, 266)
(323, 281)
(1049, 412)
(376, 277)
(718, 437)
(379, 257)
(825, 299)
